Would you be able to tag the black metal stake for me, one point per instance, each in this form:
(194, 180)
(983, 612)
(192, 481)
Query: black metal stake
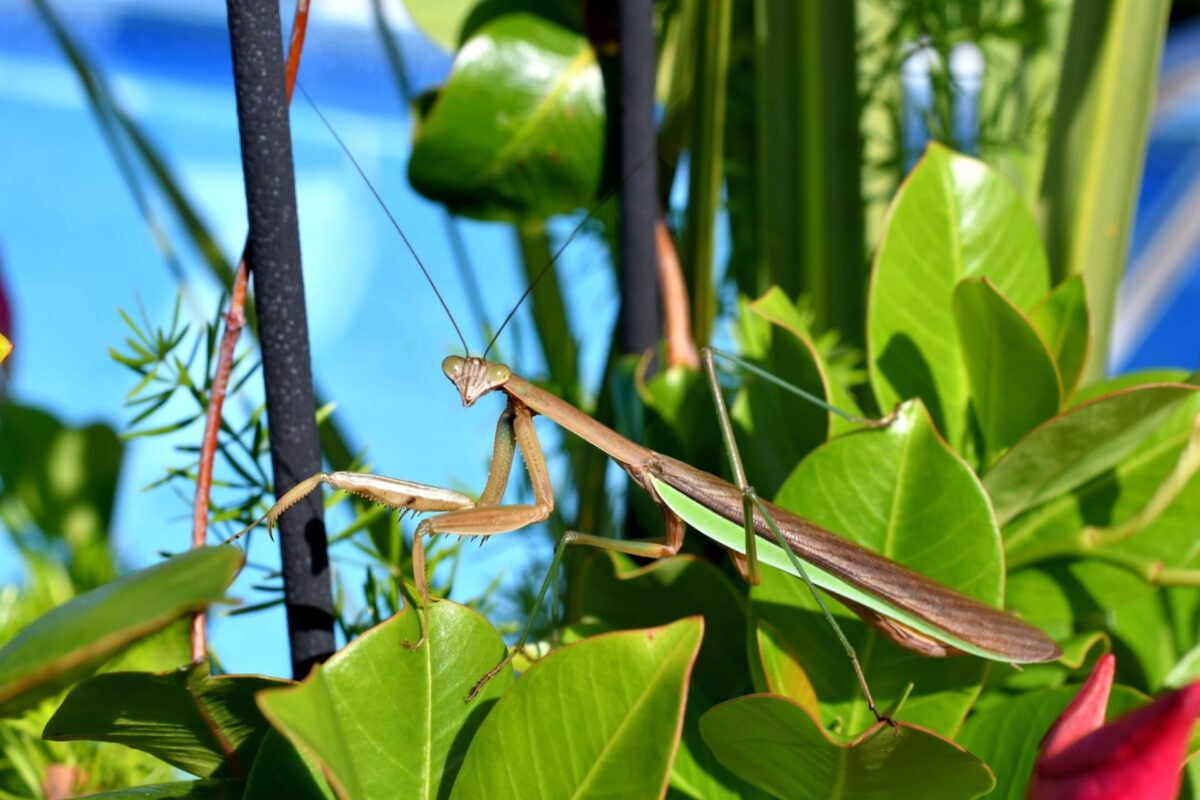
(640, 325)
(274, 258)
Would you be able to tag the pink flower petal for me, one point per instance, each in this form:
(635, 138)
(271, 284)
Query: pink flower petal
(1085, 713)
(1139, 755)
(5, 310)
(5, 322)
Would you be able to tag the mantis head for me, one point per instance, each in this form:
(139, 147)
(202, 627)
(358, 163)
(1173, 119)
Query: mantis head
(474, 377)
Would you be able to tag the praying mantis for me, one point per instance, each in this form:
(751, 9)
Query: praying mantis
(908, 608)
(914, 611)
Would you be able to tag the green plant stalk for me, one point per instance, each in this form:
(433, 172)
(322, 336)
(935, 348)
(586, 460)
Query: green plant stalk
(1097, 147)
(707, 137)
(810, 158)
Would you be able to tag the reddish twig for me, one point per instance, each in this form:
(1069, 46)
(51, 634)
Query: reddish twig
(235, 320)
(677, 322)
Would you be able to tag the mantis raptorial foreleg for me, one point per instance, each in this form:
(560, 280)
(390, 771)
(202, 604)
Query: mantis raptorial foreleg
(460, 514)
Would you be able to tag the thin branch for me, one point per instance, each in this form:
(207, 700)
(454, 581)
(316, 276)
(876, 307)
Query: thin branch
(235, 320)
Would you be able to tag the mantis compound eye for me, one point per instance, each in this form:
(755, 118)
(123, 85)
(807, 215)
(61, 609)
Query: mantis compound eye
(452, 366)
(498, 373)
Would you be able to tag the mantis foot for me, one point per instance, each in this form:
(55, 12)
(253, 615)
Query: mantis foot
(479, 684)
(491, 673)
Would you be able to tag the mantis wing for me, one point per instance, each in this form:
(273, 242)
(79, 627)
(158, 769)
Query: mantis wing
(863, 577)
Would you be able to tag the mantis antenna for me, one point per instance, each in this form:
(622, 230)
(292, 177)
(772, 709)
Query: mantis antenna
(571, 237)
(392, 219)
(533, 283)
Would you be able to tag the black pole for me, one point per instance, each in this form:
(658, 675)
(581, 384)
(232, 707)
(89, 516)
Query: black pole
(273, 253)
(640, 323)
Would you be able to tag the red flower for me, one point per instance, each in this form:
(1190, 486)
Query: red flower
(5, 322)
(1139, 755)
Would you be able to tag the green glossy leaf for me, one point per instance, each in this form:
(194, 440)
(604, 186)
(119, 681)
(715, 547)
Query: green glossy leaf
(953, 218)
(775, 428)
(1006, 736)
(1152, 634)
(65, 479)
(626, 597)
(1077, 593)
(517, 130)
(783, 672)
(309, 717)
(1077, 445)
(283, 771)
(1012, 375)
(386, 721)
(777, 745)
(794, 320)
(677, 403)
(599, 718)
(207, 726)
(180, 790)
(1129, 380)
(1062, 319)
(902, 492)
(68, 643)
(1116, 497)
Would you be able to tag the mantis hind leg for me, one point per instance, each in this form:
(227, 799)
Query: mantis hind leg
(750, 503)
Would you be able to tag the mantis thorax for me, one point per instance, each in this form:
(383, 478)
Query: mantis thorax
(474, 377)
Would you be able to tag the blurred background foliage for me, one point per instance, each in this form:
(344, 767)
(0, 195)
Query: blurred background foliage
(785, 132)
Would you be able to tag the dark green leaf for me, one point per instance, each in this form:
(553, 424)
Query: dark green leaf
(618, 595)
(283, 771)
(1078, 445)
(376, 696)
(774, 743)
(68, 643)
(64, 478)
(599, 718)
(1062, 319)
(777, 428)
(1013, 379)
(1116, 497)
(517, 130)
(953, 218)
(207, 726)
